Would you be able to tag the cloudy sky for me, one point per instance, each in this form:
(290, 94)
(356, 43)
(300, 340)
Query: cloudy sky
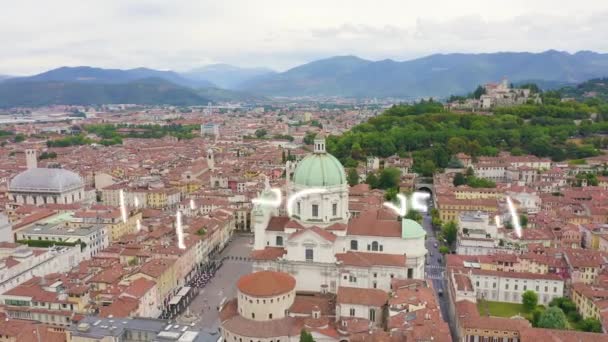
(182, 34)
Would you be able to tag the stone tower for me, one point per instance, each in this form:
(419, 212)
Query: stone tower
(31, 160)
(210, 159)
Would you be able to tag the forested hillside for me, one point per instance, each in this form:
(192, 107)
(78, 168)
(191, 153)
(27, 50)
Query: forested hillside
(433, 136)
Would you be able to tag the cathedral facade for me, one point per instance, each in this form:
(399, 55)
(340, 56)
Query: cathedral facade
(314, 239)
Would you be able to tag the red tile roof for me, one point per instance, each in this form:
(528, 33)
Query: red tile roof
(363, 259)
(362, 296)
(266, 283)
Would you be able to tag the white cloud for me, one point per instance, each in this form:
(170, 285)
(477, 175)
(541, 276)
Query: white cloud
(181, 34)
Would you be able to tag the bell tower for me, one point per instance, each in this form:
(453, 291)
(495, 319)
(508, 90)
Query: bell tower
(31, 160)
(210, 159)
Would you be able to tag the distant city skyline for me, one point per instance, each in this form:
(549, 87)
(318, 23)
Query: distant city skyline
(185, 34)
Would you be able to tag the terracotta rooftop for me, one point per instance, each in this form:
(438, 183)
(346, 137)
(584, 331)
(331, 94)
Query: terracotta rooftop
(364, 259)
(362, 296)
(266, 283)
(268, 253)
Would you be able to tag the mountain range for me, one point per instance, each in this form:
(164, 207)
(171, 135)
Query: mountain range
(86, 74)
(227, 76)
(88, 85)
(439, 76)
(149, 91)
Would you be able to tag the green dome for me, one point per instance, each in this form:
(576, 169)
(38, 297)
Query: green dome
(319, 169)
(411, 229)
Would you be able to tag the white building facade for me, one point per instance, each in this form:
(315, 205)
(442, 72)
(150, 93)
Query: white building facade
(321, 246)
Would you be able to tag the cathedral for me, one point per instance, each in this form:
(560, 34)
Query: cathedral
(314, 238)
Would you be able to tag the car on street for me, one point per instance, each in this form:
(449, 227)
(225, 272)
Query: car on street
(435, 245)
(440, 292)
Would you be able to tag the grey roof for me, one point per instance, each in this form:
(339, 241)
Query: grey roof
(98, 328)
(46, 180)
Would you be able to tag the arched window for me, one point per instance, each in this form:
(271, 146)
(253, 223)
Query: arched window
(279, 241)
(354, 245)
(375, 246)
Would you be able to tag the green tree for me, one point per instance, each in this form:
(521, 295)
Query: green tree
(309, 138)
(260, 133)
(449, 231)
(372, 180)
(389, 178)
(479, 91)
(353, 177)
(476, 182)
(459, 179)
(455, 163)
(428, 168)
(456, 144)
(529, 300)
(444, 250)
(19, 138)
(435, 219)
(552, 318)
(316, 123)
(536, 313)
(390, 194)
(591, 325)
(523, 220)
(47, 155)
(305, 336)
(356, 151)
(413, 215)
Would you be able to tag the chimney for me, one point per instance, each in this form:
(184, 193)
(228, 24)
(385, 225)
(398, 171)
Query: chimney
(31, 160)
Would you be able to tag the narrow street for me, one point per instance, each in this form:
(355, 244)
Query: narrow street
(435, 268)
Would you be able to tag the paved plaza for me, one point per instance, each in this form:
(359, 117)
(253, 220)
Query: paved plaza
(222, 286)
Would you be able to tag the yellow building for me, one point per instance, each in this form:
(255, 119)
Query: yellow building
(467, 192)
(450, 207)
(163, 272)
(111, 218)
(162, 198)
(120, 228)
(589, 300)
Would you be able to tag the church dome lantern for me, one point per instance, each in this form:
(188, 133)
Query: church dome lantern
(319, 169)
